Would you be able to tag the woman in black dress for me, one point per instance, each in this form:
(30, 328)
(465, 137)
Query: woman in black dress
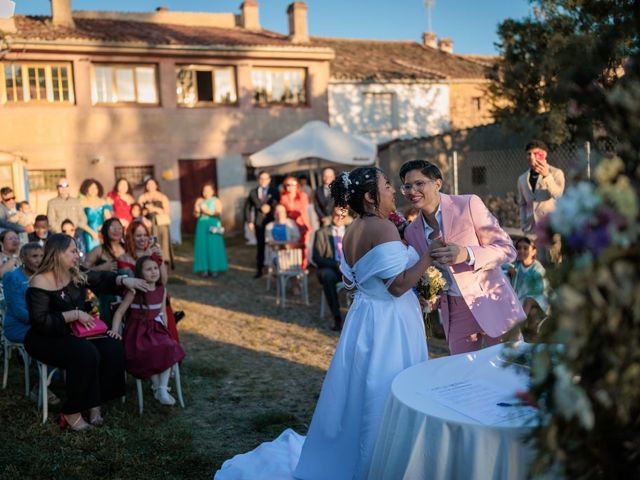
(56, 298)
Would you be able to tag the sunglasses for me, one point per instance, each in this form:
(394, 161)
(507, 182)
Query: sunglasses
(63, 185)
(290, 184)
(8, 199)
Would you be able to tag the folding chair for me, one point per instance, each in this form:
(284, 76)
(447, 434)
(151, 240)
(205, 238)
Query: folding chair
(288, 265)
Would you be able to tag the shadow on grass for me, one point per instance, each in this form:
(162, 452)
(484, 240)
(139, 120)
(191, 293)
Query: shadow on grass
(235, 399)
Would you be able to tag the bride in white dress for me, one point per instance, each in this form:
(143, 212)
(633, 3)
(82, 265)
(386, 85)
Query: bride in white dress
(383, 334)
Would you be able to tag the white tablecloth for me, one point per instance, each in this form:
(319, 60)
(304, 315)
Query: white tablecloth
(421, 438)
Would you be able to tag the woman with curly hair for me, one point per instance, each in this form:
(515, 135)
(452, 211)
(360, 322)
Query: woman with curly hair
(96, 209)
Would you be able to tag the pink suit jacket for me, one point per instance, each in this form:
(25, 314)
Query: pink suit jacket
(467, 222)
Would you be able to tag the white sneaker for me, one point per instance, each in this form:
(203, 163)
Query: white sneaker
(163, 396)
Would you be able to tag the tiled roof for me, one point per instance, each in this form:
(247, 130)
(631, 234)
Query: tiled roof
(395, 60)
(123, 31)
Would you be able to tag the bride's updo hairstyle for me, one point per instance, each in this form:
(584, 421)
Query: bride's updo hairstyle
(348, 188)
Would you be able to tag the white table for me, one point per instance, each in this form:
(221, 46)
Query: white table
(421, 438)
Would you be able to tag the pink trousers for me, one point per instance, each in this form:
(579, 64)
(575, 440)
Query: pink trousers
(465, 335)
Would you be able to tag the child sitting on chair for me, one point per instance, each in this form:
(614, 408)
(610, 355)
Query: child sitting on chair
(528, 278)
(149, 348)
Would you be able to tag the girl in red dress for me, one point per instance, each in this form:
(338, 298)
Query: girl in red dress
(149, 348)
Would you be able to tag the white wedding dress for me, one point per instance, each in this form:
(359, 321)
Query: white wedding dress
(382, 336)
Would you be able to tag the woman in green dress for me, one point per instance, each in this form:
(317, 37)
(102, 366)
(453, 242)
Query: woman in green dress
(210, 257)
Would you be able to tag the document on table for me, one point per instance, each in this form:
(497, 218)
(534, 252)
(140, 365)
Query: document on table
(479, 400)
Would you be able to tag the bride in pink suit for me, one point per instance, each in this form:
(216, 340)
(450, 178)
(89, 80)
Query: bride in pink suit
(468, 245)
(383, 335)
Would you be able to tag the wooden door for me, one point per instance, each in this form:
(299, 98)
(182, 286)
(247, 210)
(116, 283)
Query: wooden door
(194, 174)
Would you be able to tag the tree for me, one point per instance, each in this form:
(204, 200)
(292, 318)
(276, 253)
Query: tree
(557, 66)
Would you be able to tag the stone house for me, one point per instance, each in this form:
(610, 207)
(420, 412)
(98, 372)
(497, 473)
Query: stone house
(387, 90)
(180, 96)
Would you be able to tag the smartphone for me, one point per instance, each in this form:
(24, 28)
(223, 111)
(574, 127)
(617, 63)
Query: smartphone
(153, 240)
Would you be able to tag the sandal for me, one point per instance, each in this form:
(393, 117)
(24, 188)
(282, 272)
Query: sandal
(78, 425)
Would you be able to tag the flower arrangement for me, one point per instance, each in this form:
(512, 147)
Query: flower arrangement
(584, 375)
(92, 304)
(399, 221)
(217, 230)
(431, 285)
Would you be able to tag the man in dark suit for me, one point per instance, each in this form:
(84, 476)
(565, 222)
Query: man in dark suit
(322, 200)
(259, 212)
(327, 252)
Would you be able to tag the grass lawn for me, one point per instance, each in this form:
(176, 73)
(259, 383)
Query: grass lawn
(252, 369)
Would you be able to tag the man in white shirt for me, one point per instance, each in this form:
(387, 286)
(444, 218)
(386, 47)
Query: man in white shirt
(538, 189)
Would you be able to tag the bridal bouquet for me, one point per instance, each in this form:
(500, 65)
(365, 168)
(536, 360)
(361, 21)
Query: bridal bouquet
(217, 230)
(430, 286)
(399, 221)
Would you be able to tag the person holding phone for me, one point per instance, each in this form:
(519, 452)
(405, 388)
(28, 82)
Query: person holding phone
(468, 246)
(538, 189)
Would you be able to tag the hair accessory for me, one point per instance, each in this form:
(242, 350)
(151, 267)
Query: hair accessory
(346, 181)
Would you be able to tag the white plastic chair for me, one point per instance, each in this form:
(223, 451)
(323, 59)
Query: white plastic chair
(323, 300)
(7, 347)
(45, 381)
(288, 265)
(178, 385)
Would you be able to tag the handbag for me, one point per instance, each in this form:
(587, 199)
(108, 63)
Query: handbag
(163, 219)
(80, 331)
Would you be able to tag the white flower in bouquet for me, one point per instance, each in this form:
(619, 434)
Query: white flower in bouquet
(217, 230)
(431, 285)
(575, 208)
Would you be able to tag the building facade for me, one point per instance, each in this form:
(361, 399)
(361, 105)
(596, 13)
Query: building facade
(183, 97)
(386, 90)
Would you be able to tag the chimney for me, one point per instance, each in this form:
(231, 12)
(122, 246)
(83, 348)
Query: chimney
(429, 39)
(61, 13)
(298, 30)
(249, 19)
(7, 20)
(445, 45)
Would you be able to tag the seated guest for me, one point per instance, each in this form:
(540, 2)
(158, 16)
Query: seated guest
(281, 233)
(282, 230)
(528, 278)
(68, 228)
(14, 284)
(27, 216)
(109, 256)
(9, 249)
(9, 215)
(55, 299)
(41, 230)
(327, 252)
(139, 214)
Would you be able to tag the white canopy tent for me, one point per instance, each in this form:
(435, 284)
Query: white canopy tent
(315, 145)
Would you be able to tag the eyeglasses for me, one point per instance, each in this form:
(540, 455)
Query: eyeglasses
(63, 185)
(290, 184)
(418, 186)
(8, 199)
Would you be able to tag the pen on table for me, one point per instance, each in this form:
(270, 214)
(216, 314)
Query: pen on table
(510, 404)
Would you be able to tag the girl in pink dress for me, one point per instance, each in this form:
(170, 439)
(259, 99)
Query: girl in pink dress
(149, 349)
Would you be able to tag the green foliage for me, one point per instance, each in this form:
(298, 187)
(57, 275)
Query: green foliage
(561, 63)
